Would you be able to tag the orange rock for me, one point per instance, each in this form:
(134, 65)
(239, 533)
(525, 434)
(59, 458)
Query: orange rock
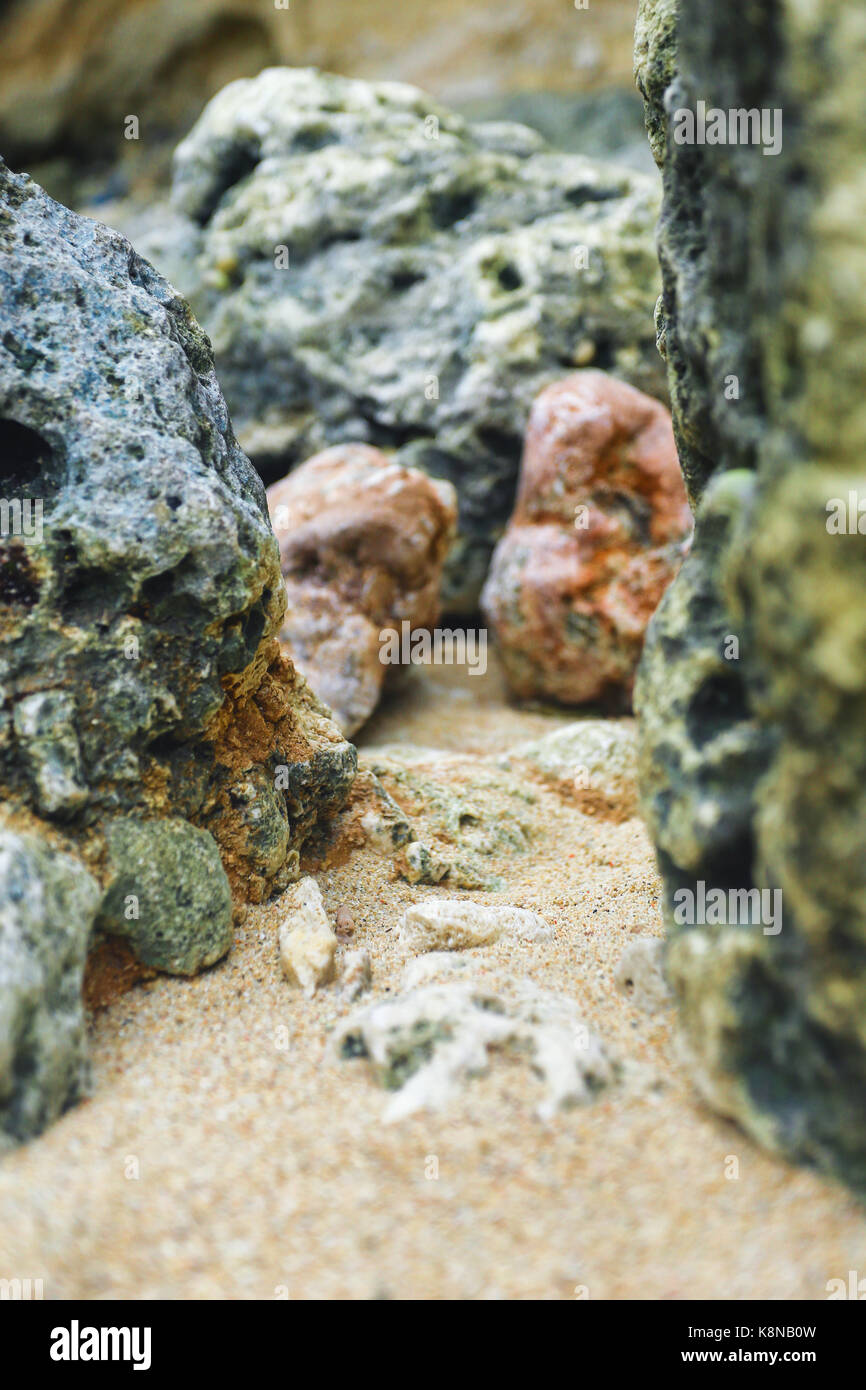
(600, 528)
(362, 544)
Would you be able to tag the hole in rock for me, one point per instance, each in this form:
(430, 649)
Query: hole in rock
(719, 703)
(450, 207)
(510, 278)
(27, 462)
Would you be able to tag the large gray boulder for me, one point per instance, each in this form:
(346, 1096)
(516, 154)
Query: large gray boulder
(147, 720)
(140, 595)
(372, 268)
(752, 690)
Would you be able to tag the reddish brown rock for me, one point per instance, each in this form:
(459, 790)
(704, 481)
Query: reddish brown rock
(362, 544)
(599, 530)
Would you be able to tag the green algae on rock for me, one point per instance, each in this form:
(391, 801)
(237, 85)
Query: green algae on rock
(701, 749)
(373, 268)
(752, 693)
(168, 894)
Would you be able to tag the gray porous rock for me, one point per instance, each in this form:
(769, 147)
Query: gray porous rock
(140, 589)
(700, 748)
(47, 906)
(372, 268)
(753, 754)
(142, 692)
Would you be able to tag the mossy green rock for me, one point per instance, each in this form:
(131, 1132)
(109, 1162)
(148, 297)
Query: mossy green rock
(701, 749)
(169, 895)
(372, 267)
(754, 767)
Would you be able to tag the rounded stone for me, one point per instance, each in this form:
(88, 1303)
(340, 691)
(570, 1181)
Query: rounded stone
(169, 894)
(599, 530)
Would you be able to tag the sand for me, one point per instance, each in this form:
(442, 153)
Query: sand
(225, 1152)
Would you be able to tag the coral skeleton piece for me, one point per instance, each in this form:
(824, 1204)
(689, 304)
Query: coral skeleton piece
(434, 286)
(146, 716)
(752, 688)
(444, 925)
(362, 544)
(429, 1040)
(599, 530)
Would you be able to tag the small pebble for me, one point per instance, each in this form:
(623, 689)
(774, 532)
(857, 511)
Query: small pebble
(344, 922)
(307, 944)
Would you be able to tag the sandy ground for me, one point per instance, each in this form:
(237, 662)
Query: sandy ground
(226, 1154)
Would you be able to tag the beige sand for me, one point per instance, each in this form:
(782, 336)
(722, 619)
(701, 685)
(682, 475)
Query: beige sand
(265, 1169)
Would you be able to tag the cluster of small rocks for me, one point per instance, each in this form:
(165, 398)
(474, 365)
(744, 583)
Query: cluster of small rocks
(160, 761)
(389, 288)
(173, 647)
(373, 269)
(454, 1011)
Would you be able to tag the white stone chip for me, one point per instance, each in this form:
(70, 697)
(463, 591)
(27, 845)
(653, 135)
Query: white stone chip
(451, 925)
(357, 973)
(307, 943)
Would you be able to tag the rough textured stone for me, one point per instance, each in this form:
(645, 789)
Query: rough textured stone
(592, 761)
(443, 925)
(422, 864)
(439, 275)
(640, 974)
(655, 66)
(426, 1043)
(139, 670)
(308, 945)
(362, 543)
(145, 710)
(383, 823)
(47, 905)
(701, 750)
(705, 251)
(168, 894)
(461, 814)
(598, 532)
(762, 269)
